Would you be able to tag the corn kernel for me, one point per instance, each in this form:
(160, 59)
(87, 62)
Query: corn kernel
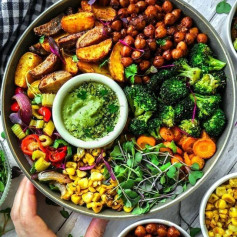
(72, 187)
(218, 230)
(96, 197)
(228, 232)
(89, 159)
(87, 197)
(67, 195)
(209, 214)
(91, 189)
(70, 171)
(75, 199)
(95, 176)
(81, 173)
(95, 183)
(233, 183)
(211, 234)
(233, 228)
(219, 224)
(97, 207)
(213, 198)
(223, 216)
(96, 152)
(221, 204)
(83, 183)
(127, 209)
(233, 212)
(220, 191)
(234, 221)
(73, 177)
(223, 211)
(102, 190)
(209, 207)
(228, 198)
(80, 153)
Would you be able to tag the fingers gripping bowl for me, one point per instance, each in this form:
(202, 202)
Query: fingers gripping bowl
(87, 163)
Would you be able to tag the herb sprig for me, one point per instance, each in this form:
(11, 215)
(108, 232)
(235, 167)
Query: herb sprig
(223, 7)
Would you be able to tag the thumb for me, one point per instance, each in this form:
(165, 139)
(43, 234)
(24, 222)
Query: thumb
(96, 228)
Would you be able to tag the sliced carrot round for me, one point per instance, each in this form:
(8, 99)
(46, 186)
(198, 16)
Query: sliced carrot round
(177, 133)
(204, 148)
(199, 161)
(187, 144)
(166, 134)
(187, 160)
(166, 149)
(142, 141)
(177, 159)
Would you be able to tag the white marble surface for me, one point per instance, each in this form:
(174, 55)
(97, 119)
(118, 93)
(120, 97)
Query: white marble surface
(76, 224)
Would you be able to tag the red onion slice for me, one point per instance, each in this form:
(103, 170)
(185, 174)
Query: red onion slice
(89, 167)
(110, 170)
(16, 118)
(55, 49)
(91, 2)
(124, 43)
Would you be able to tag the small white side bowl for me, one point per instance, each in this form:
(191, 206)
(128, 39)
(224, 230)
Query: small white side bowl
(205, 199)
(157, 221)
(73, 84)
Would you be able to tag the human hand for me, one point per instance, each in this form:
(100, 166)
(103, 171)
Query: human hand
(28, 223)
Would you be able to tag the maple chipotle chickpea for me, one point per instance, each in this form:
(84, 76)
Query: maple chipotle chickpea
(150, 2)
(126, 61)
(166, 45)
(173, 232)
(145, 79)
(116, 25)
(160, 32)
(141, 5)
(129, 40)
(179, 36)
(126, 51)
(177, 53)
(151, 229)
(132, 8)
(136, 54)
(167, 6)
(140, 231)
(151, 12)
(194, 31)
(187, 22)
(149, 31)
(116, 36)
(169, 19)
(183, 46)
(123, 12)
(124, 3)
(158, 61)
(152, 44)
(144, 65)
(190, 38)
(167, 55)
(139, 43)
(177, 13)
(132, 31)
(162, 231)
(202, 38)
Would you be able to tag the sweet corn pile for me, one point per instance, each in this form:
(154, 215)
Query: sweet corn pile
(221, 211)
(88, 187)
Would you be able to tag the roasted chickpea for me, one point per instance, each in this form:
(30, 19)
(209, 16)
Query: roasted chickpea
(190, 38)
(126, 61)
(139, 23)
(187, 22)
(124, 3)
(150, 2)
(141, 5)
(132, 31)
(152, 44)
(177, 53)
(177, 13)
(167, 55)
(140, 231)
(159, 8)
(136, 55)
(132, 8)
(147, 54)
(126, 51)
(169, 19)
(167, 45)
(160, 32)
(162, 231)
(140, 43)
(149, 235)
(137, 80)
(167, 6)
(145, 79)
(183, 46)
(149, 31)
(133, 1)
(194, 31)
(171, 30)
(179, 36)
(158, 61)
(123, 33)
(129, 40)
(151, 228)
(123, 12)
(151, 11)
(202, 38)
(144, 65)
(114, 4)
(116, 36)
(160, 23)
(173, 232)
(116, 25)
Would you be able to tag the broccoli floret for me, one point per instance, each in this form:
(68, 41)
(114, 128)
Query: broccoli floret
(184, 109)
(172, 91)
(209, 84)
(215, 124)
(166, 115)
(202, 56)
(154, 127)
(206, 104)
(139, 125)
(184, 70)
(140, 99)
(191, 127)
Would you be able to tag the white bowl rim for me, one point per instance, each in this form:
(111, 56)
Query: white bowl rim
(229, 24)
(152, 220)
(206, 197)
(69, 86)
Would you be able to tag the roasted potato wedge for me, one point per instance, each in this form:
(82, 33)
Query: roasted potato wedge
(52, 82)
(50, 64)
(26, 63)
(105, 13)
(69, 66)
(78, 22)
(53, 27)
(93, 36)
(116, 68)
(38, 49)
(93, 68)
(94, 53)
(33, 89)
(69, 42)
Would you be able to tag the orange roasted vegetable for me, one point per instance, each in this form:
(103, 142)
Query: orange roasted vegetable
(198, 160)
(166, 134)
(204, 148)
(142, 141)
(187, 144)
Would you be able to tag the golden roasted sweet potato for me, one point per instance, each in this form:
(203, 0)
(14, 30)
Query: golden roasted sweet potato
(52, 82)
(69, 66)
(93, 36)
(26, 63)
(33, 89)
(95, 52)
(50, 64)
(105, 13)
(116, 68)
(78, 22)
(93, 68)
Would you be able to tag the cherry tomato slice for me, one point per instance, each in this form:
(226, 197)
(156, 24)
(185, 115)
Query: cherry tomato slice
(45, 112)
(19, 90)
(15, 107)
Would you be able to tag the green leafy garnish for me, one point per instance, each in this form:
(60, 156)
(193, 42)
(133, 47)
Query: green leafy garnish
(130, 72)
(194, 231)
(64, 213)
(104, 92)
(82, 95)
(37, 99)
(223, 7)
(194, 176)
(41, 39)
(109, 129)
(161, 42)
(75, 58)
(113, 108)
(104, 63)
(3, 135)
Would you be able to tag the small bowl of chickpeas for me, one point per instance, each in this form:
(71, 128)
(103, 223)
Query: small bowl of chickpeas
(154, 228)
(218, 210)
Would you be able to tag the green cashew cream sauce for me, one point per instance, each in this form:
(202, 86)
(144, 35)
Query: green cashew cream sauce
(90, 111)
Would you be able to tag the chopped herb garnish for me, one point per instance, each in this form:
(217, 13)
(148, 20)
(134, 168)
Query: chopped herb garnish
(161, 42)
(109, 129)
(113, 108)
(105, 62)
(41, 39)
(82, 95)
(3, 135)
(75, 59)
(223, 7)
(104, 92)
(130, 72)
(64, 213)
(37, 99)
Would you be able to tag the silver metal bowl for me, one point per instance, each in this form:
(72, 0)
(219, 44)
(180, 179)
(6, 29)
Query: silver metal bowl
(28, 38)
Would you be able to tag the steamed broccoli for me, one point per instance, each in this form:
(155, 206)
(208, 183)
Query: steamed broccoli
(166, 115)
(154, 127)
(191, 127)
(215, 124)
(202, 56)
(210, 84)
(172, 91)
(139, 125)
(140, 99)
(184, 109)
(206, 104)
(184, 70)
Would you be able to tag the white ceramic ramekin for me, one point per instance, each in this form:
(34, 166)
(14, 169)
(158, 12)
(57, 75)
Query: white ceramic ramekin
(206, 197)
(74, 83)
(157, 221)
